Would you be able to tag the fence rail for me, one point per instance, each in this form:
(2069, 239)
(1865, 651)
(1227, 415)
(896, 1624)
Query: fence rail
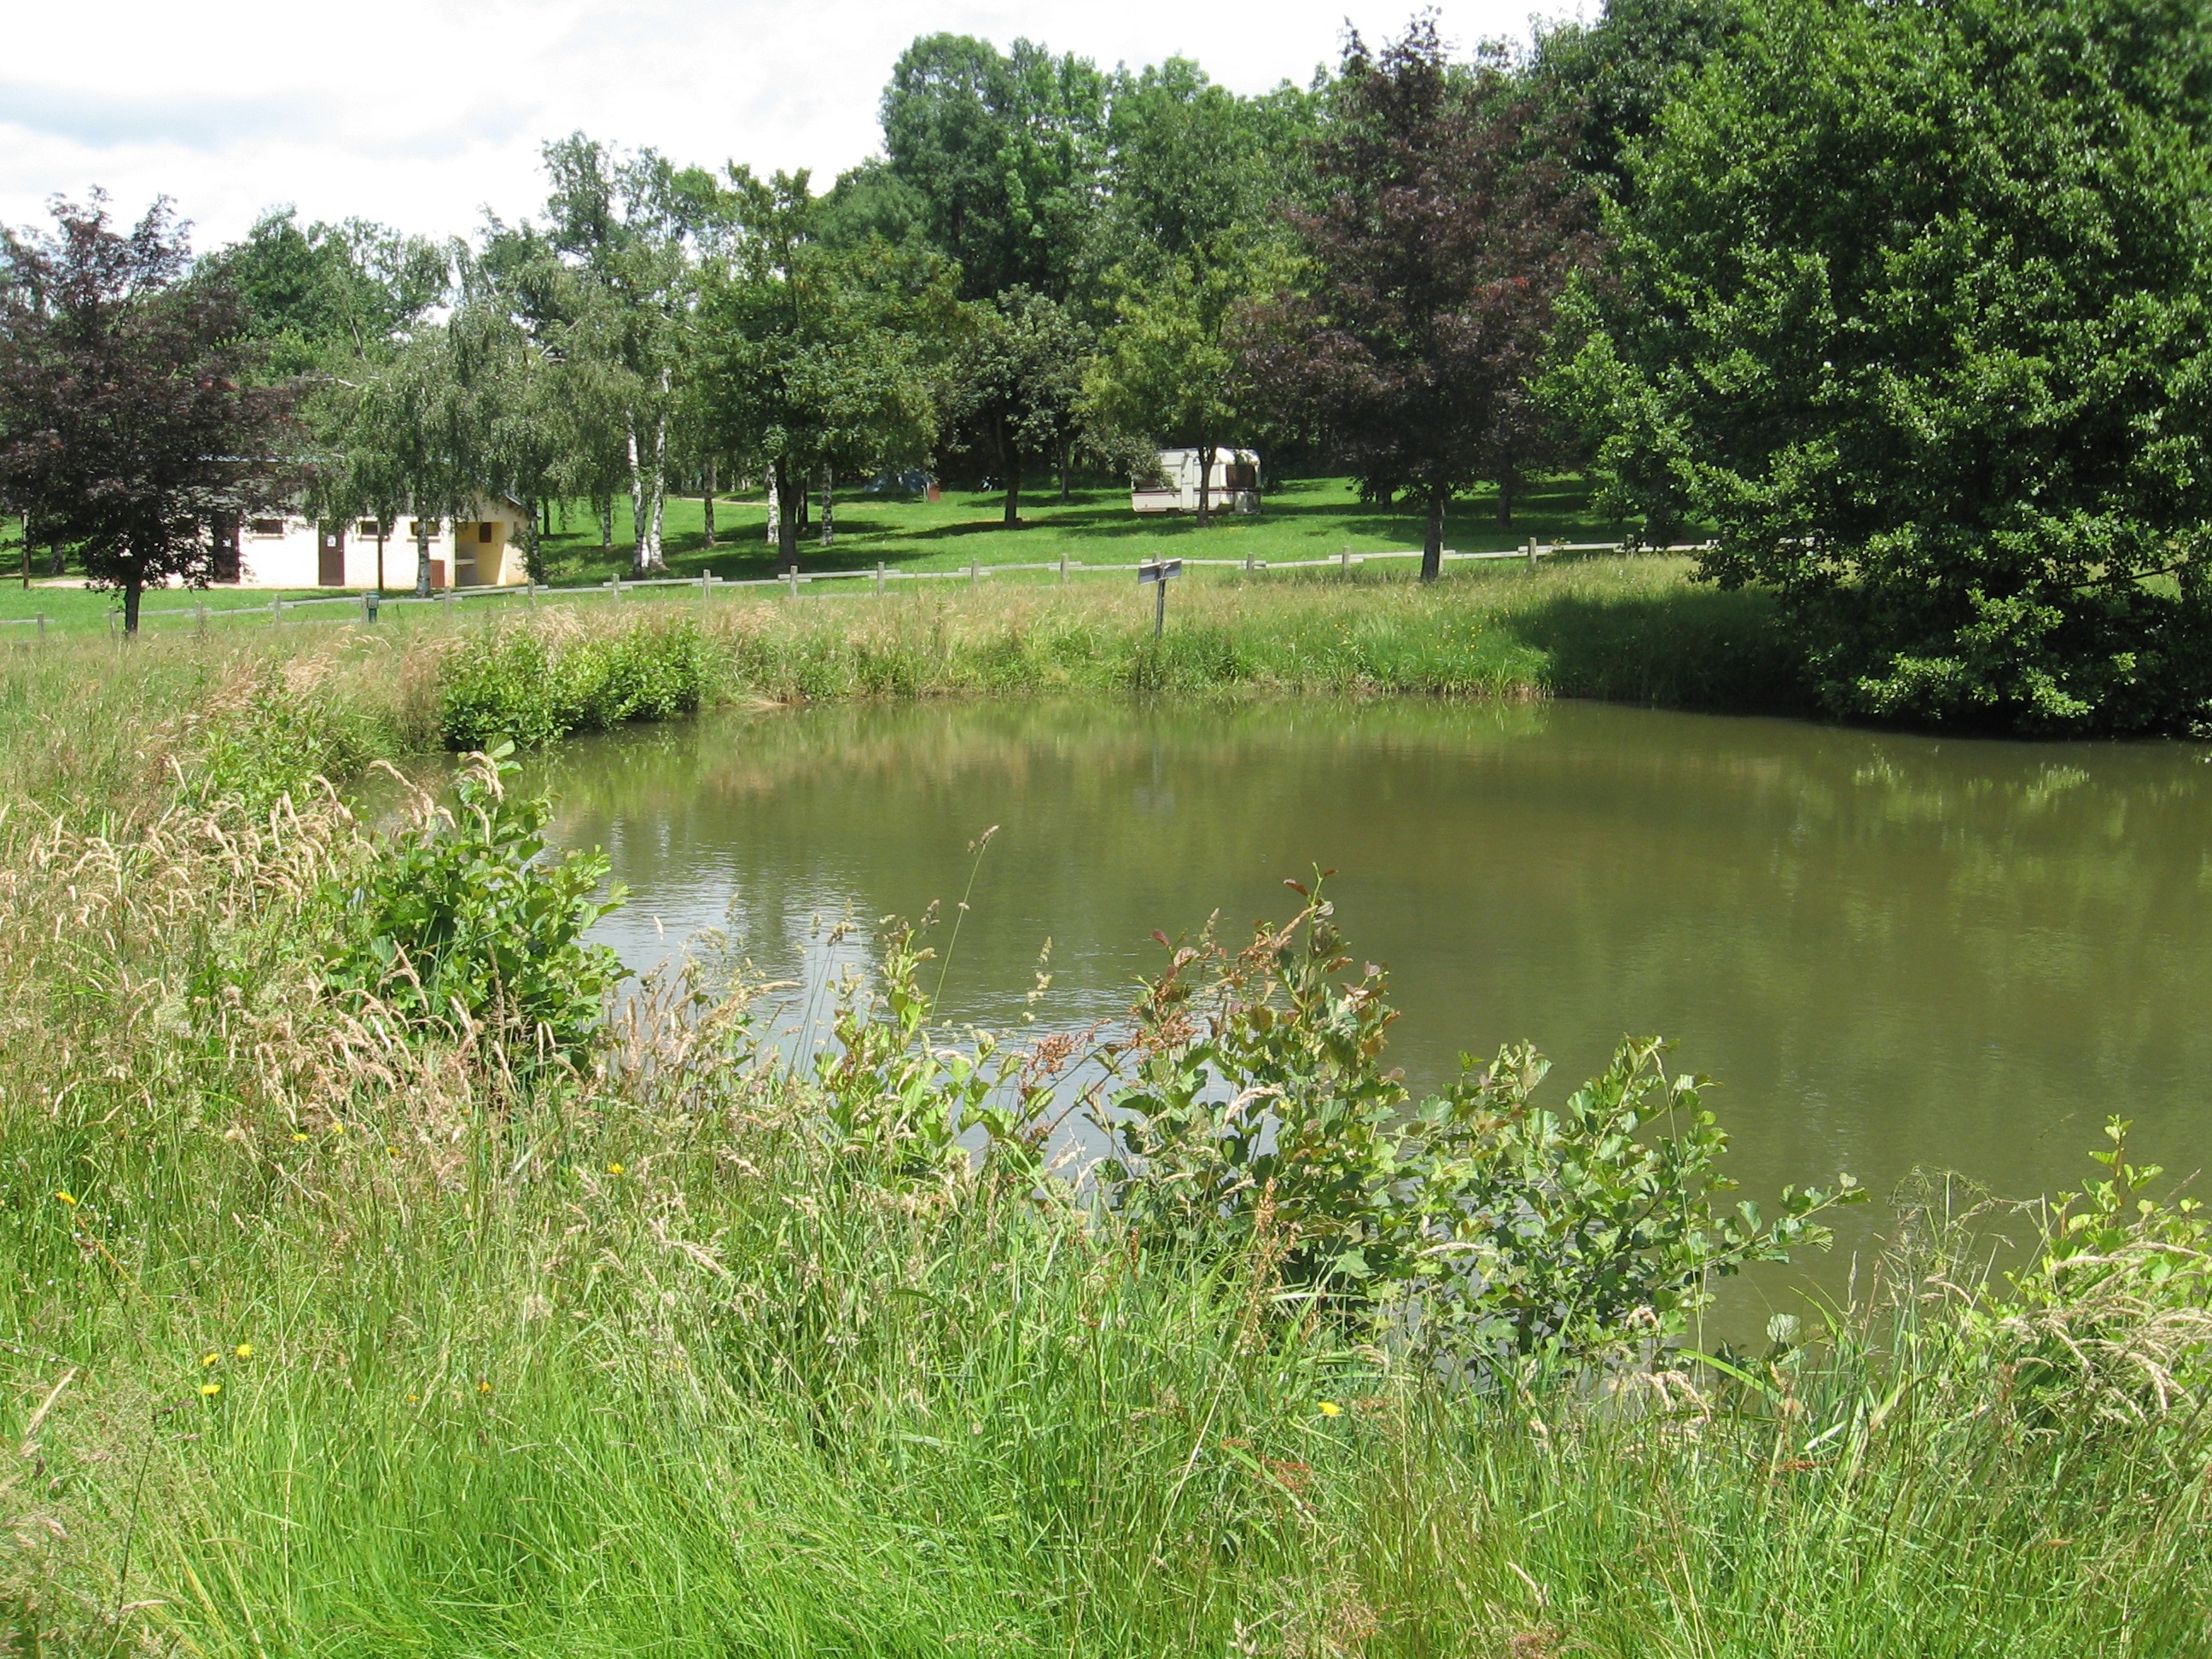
(369, 604)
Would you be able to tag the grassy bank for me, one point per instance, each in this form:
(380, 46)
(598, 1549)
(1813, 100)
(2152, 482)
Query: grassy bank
(1632, 629)
(339, 1319)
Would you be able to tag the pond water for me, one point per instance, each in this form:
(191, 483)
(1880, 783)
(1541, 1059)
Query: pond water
(1891, 951)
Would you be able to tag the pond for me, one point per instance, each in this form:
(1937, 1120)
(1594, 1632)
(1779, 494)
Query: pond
(1893, 952)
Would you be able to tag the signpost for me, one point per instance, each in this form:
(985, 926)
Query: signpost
(1159, 575)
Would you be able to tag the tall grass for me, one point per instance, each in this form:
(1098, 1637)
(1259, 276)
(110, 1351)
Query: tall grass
(327, 1336)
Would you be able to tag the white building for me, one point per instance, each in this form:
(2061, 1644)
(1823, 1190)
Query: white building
(1234, 488)
(482, 550)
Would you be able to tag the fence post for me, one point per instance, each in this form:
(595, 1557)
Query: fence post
(365, 617)
(1250, 564)
(275, 613)
(1531, 552)
(1063, 569)
(1347, 562)
(879, 575)
(531, 588)
(42, 628)
(615, 582)
(706, 582)
(793, 573)
(974, 572)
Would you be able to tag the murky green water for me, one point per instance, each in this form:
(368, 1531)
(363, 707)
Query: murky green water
(1892, 951)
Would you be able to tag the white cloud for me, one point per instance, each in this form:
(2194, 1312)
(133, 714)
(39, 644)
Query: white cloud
(423, 114)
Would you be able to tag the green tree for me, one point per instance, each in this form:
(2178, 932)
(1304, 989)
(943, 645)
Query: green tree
(1002, 155)
(1189, 164)
(327, 293)
(1016, 381)
(1169, 369)
(815, 357)
(612, 277)
(1911, 306)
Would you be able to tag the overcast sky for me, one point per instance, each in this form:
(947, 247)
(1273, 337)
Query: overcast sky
(423, 114)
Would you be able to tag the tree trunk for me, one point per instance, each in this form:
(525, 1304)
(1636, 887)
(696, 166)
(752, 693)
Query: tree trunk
(54, 558)
(133, 586)
(1205, 484)
(707, 503)
(645, 553)
(1506, 482)
(533, 551)
(786, 526)
(829, 506)
(422, 557)
(1433, 550)
(382, 530)
(775, 510)
(606, 506)
(1009, 463)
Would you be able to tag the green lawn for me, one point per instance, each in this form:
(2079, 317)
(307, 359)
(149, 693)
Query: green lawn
(1305, 518)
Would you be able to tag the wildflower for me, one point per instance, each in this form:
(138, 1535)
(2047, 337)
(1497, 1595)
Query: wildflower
(614, 1168)
(69, 1198)
(210, 1357)
(394, 1151)
(209, 1390)
(244, 1351)
(298, 1138)
(1330, 1408)
(483, 1387)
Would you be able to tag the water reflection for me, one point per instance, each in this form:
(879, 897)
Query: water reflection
(1893, 951)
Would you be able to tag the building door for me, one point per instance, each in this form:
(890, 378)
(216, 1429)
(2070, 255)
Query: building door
(330, 562)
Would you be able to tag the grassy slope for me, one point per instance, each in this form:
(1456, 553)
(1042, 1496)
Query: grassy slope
(636, 1366)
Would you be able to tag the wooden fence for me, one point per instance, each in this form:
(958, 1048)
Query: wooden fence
(365, 607)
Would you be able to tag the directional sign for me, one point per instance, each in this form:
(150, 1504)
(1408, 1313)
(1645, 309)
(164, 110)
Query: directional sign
(1159, 573)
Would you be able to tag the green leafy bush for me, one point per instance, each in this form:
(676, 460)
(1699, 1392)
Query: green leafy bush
(1476, 1224)
(531, 686)
(462, 919)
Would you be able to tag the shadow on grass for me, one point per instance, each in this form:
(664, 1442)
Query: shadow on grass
(1687, 647)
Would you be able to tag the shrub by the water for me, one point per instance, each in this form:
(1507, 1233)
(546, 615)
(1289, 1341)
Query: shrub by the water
(531, 685)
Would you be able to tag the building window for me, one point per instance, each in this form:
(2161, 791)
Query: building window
(266, 526)
(417, 531)
(483, 531)
(369, 527)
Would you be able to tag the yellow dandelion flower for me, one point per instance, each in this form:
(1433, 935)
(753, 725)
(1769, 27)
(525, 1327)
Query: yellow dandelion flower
(483, 1387)
(210, 1357)
(244, 1351)
(69, 1198)
(1330, 1408)
(394, 1151)
(614, 1168)
(211, 1389)
(298, 1138)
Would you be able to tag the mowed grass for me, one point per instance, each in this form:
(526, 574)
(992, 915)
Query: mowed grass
(1304, 519)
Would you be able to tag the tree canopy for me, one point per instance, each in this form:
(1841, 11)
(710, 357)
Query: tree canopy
(1911, 309)
(134, 414)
